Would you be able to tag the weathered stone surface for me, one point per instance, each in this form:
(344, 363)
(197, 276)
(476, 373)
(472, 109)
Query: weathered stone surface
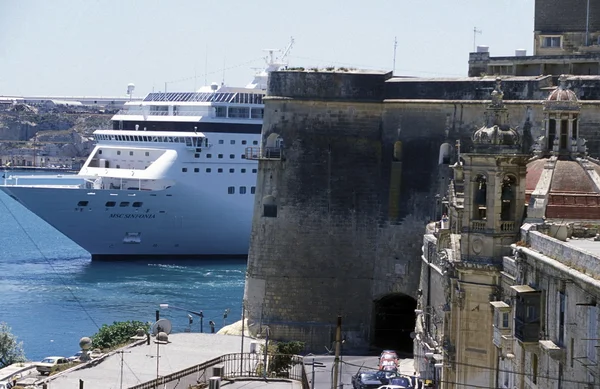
(354, 190)
(552, 16)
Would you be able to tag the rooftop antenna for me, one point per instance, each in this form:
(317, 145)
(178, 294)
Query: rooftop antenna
(223, 81)
(206, 65)
(395, 46)
(475, 32)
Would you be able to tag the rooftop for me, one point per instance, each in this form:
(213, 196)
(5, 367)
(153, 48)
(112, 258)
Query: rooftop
(589, 245)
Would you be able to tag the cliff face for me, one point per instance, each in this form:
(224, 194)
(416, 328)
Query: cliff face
(60, 132)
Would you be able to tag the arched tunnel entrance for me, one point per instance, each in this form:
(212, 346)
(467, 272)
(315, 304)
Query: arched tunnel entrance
(394, 320)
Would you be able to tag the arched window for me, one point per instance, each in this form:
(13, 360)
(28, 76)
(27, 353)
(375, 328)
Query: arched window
(507, 198)
(480, 197)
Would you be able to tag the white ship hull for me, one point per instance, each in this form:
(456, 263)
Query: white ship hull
(178, 221)
(181, 201)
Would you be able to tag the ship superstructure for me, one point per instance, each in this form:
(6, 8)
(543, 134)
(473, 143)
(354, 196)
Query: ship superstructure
(170, 179)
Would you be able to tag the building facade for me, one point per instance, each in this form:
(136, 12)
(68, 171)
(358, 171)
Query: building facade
(566, 41)
(508, 293)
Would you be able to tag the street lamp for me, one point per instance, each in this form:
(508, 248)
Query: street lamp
(199, 314)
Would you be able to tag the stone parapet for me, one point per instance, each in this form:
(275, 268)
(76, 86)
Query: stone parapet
(573, 257)
(347, 85)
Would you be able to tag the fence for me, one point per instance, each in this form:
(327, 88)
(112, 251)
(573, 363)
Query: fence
(233, 366)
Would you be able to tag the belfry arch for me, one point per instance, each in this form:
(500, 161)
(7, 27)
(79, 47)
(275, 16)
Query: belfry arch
(393, 322)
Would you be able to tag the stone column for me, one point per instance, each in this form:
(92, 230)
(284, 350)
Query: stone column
(572, 142)
(546, 145)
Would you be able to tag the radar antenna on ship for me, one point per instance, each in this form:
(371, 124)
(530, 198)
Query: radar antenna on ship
(281, 61)
(273, 64)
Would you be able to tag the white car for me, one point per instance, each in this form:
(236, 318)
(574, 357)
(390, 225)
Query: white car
(75, 357)
(46, 365)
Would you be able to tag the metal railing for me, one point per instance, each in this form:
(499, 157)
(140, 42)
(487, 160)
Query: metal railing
(246, 365)
(273, 153)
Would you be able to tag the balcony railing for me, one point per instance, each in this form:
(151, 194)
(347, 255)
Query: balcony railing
(497, 337)
(268, 153)
(500, 336)
(527, 332)
(478, 225)
(507, 226)
(234, 366)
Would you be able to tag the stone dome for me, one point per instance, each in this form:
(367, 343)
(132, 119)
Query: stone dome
(563, 95)
(571, 191)
(562, 98)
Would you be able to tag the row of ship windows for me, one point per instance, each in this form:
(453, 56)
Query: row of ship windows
(174, 139)
(189, 141)
(231, 190)
(232, 141)
(219, 170)
(136, 204)
(220, 156)
(239, 112)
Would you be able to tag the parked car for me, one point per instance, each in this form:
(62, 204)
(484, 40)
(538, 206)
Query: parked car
(75, 357)
(389, 354)
(366, 380)
(386, 376)
(402, 381)
(396, 386)
(5, 385)
(390, 364)
(48, 363)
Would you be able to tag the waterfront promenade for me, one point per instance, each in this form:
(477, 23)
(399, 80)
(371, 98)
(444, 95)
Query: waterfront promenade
(140, 363)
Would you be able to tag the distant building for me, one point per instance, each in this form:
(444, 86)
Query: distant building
(566, 41)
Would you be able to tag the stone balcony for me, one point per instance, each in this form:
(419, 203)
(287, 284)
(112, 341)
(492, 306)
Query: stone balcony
(478, 225)
(507, 226)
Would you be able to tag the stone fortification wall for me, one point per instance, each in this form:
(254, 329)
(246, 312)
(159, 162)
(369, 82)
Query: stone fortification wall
(354, 188)
(469, 88)
(316, 259)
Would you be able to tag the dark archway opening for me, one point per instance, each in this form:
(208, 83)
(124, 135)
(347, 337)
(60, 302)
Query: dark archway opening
(394, 321)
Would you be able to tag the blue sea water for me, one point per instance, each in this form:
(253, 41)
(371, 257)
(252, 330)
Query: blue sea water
(52, 294)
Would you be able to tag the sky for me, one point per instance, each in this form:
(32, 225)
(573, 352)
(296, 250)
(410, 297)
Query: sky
(97, 47)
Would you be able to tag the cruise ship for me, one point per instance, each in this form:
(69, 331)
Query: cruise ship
(174, 177)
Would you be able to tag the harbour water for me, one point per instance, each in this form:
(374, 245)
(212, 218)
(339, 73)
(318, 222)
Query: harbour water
(52, 294)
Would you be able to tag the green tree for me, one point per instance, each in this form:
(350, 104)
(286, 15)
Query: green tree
(116, 334)
(11, 351)
(281, 356)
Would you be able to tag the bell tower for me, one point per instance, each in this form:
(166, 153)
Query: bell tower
(493, 181)
(494, 174)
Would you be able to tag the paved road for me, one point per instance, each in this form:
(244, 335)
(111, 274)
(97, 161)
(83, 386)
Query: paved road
(350, 366)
